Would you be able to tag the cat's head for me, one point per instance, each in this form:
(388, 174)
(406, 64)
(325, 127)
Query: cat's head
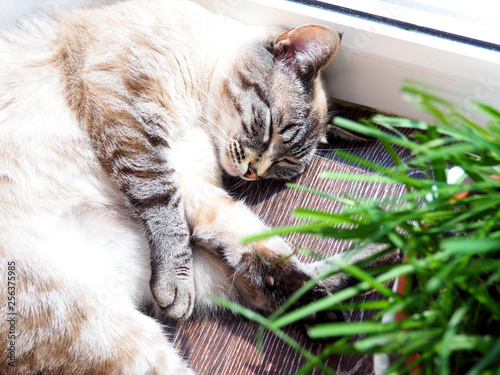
(279, 105)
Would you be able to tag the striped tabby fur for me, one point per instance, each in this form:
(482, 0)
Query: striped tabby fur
(116, 125)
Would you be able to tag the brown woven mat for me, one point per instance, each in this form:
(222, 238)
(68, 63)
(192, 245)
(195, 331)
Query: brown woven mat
(227, 346)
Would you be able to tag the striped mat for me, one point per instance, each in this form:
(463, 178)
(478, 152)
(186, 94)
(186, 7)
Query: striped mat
(227, 345)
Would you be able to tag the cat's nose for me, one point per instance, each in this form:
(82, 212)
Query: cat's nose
(251, 172)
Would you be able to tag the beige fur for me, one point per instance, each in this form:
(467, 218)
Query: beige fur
(82, 261)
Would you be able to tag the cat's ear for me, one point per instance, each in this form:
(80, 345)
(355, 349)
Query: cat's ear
(307, 49)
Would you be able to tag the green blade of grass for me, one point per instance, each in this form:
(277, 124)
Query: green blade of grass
(373, 132)
(314, 228)
(469, 246)
(491, 357)
(359, 177)
(340, 296)
(251, 315)
(325, 217)
(425, 95)
(321, 194)
(444, 347)
(366, 305)
(469, 342)
(325, 330)
(398, 176)
(399, 342)
(442, 154)
(361, 275)
(487, 110)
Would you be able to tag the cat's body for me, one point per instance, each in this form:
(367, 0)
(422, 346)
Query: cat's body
(115, 127)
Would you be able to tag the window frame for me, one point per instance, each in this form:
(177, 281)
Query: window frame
(377, 56)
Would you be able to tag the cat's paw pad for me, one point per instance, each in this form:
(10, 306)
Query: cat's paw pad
(286, 280)
(174, 296)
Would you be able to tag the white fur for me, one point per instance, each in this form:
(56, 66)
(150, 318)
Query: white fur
(57, 192)
(56, 208)
(62, 217)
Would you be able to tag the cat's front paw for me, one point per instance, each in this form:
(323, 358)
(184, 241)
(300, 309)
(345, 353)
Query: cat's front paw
(274, 271)
(174, 293)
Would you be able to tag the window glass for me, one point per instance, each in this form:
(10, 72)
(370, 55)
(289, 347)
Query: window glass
(476, 19)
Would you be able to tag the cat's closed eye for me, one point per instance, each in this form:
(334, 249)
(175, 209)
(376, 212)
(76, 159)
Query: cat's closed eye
(287, 161)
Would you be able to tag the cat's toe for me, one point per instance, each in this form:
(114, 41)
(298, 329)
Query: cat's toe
(175, 297)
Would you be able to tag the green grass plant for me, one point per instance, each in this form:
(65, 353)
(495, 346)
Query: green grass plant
(448, 231)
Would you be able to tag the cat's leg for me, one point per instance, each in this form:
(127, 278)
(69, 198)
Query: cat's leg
(159, 206)
(259, 274)
(215, 278)
(134, 150)
(57, 326)
(248, 287)
(262, 274)
(151, 187)
(370, 256)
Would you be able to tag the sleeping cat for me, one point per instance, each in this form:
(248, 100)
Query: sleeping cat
(116, 125)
